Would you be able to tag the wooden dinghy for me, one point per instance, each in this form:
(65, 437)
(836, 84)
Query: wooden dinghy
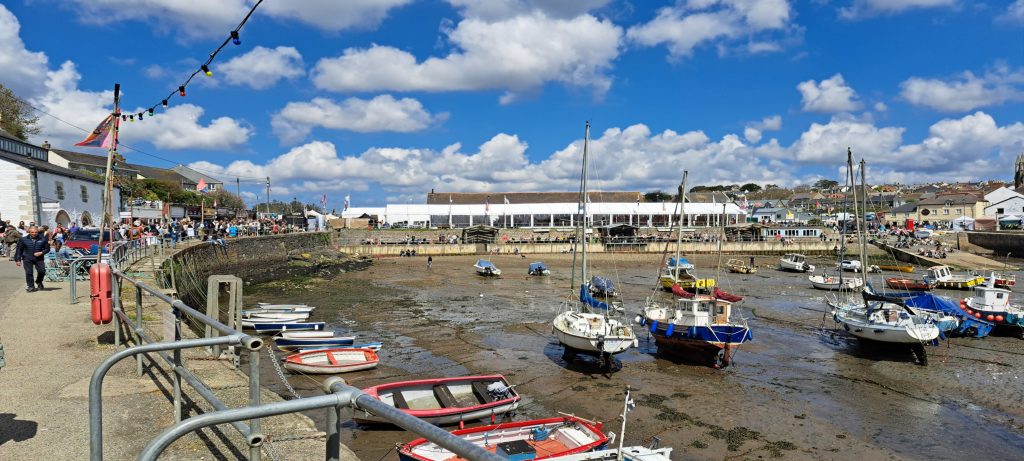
(329, 361)
(537, 439)
(902, 283)
(445, 400)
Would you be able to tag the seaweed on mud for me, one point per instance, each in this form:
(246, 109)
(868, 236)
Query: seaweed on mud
(680, 395)
(578, 388)
(650, 400)
(698, 444)
(734, 438)
(776, 449)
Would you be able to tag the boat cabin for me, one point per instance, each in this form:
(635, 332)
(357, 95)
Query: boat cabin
(795, 258)
(701, 311)
(991, 298)
(940, 273)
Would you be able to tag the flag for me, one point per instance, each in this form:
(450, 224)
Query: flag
(201, 185)
(487, 205)
(102, 136)
(744, 207)
(323, 201)
(817, 205)
(506, 201)
(344, 206)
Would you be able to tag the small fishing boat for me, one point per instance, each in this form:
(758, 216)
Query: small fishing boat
(445, 400)
(831, 282)
(278, 315)
(330, 361)
(739, 267)
(795, 262)
(374, 346)
(993, 304)
(636, 453)
(896, 267)
(538, 268)
(603, 287)
(849, 265)
(282, 326)
(285, 307)
(290, 344)
(307, 334)
(486, 268)
(700, 326)
(252, 322)
(966, 325)
(941, 277)
(522, 440)
(1002, 280)
(903, 283)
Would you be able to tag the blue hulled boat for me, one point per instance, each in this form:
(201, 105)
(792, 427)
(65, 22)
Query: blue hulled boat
(698, 326)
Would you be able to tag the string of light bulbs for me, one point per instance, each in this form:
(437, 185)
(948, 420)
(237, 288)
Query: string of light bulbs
(233, 37)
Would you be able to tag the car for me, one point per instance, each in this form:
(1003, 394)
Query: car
(87, 240)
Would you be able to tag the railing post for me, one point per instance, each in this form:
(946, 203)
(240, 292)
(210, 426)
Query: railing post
(254, 400)
(138, 326)
(333, 447)
(115, 292)
(175, 377)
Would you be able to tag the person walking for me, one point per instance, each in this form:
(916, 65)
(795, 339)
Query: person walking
(32, 251)
(430, 260)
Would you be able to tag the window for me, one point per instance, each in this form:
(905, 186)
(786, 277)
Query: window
(945, 211)
(59, 186)
(212, 187)
(960, 211)
(1000, 211)
(85, 194)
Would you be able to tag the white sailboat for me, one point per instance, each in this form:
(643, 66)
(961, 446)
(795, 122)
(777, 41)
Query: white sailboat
(585, 326)
(876, 319)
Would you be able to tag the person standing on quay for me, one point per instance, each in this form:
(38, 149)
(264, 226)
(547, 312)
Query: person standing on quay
(430, 260)
(32, 250)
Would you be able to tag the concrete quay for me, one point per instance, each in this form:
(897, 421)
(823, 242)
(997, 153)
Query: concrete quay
(53, 348)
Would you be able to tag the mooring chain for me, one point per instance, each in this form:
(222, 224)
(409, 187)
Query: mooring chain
(280, 373)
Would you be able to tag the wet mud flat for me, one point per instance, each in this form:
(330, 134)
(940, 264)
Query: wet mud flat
(800, 390)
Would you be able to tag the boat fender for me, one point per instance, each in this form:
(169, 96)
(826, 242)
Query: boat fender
(999, 318)
(977, 315)
(654, 326)
(99, 293)
(641, 320)
(990, 317)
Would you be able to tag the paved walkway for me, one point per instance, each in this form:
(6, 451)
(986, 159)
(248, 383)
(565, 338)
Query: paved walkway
(52, 350)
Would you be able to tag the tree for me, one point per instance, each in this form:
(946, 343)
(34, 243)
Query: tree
(657, 196)
(750, 187)
(16, 116)
(825, 184)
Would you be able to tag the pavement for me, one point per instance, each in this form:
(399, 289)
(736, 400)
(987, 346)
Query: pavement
(52, 348)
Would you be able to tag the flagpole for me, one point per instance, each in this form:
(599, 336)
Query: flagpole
(108, 206)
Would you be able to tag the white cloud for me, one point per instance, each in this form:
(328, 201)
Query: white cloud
(262, 67)
(21, 68)
(191, 19)
(831, 95)
(176, 128)
(827, 143)
(333, 15)
(881, 107)
(688, 25)
(753, 131)
(382, 113)
(965, 92)
(630, 158)
(866, 8)
(518, 55)
(1014, 13)
(492, 10)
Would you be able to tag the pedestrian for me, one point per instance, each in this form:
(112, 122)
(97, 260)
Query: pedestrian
(32, 250)
(752, 262)
(11, 237)
(430, 260)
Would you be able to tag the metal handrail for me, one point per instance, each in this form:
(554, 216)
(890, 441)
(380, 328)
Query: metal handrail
(341, 395)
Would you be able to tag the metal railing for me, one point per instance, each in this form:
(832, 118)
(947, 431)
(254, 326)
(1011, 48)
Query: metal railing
(340, 394)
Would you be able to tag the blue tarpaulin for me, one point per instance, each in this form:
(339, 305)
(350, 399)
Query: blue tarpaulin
(602, 285)
(589, 300)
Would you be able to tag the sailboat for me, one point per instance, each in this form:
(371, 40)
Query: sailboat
(699, 324)
(831, 282)
(676, 274)
(584, 325)
(880, 319)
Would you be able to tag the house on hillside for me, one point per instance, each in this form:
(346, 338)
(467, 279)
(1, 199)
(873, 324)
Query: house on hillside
(1004, 201)
(97, 164)
(35, 190)
(806, 200)
(194, 177)
(944, 208)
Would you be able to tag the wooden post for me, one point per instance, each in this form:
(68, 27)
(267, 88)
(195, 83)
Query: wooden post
(108, 185)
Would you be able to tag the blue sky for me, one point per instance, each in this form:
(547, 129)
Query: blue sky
(386, 100)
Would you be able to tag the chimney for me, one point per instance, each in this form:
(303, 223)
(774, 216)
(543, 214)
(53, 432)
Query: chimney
(46, 145)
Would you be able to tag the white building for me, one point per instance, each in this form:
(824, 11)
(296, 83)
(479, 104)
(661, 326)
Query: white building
(551, 215)
(1004, 201)
(32, 189)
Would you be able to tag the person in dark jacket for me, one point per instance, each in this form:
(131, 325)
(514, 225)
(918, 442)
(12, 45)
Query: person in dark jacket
(32, 251)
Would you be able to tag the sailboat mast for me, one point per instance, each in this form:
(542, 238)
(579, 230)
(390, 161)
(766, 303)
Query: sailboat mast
(584, 200)
(682, 215)
(864, 197)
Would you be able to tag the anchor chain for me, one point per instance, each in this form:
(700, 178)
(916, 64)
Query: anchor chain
(280, 373)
